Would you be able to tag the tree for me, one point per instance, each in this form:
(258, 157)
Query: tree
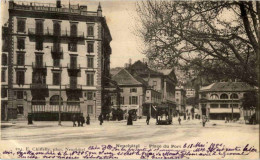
(218, 39)
(249, 101)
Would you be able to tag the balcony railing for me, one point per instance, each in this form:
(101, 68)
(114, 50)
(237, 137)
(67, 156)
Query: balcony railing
(38, 86)
(57, 51)
(61, 33)
(73, 87)
(38, 65)
(73, 67)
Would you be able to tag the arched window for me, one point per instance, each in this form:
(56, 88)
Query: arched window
(214, 96)
(57, 29)
(90, 31)
(73, 100)
(54, 100)
(73, 30)
(233, 96)
(224, 96)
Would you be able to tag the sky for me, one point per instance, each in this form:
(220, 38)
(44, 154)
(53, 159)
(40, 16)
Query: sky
(121, 19)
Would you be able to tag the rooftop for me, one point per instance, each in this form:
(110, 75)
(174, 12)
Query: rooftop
(51, 7)
(228, 86)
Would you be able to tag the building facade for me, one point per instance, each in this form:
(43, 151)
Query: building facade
(58, 60)
(180, 97)
(222, 100)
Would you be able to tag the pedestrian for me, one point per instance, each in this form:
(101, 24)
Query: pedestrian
(179, 119)
(78, 120)
(184, 117)
(204, 121)
(30, 119)
(225, 119)
(129, 120)
(74, 120)
(100, 118)
(147, 119)
(88, 120)
(82, 120)
(189, 117)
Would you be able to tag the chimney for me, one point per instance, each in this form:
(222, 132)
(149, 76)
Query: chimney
(130, 61)
(99, 10)
(58, 3)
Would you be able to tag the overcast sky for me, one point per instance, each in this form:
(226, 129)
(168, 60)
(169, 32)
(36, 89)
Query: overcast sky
(121, 20)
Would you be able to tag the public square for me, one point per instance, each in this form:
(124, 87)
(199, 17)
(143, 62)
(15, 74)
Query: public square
(50, 134)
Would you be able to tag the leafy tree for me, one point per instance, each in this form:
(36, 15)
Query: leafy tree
(249, 100)
(218, 38)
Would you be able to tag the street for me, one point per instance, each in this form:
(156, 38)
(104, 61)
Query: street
(50, 134)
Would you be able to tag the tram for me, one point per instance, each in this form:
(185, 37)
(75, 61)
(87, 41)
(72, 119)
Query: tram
(164, 114)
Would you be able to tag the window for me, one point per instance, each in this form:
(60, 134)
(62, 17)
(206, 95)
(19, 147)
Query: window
(214, 96)
(90, 96)
(39, 44)
(3, 79)
(73, 82)
(122, 100)
(4, 59)
(223, 96)
(203, 95)
(90, 62)
(4, 92)
(39, 27)
(56, 28)
(21, 25)
(72, 47)
(90, 47)
(21, 43)
(133, 90)
(20, 77)
(73, 61)
(56, 78)
(177, 100)
(90, 30)
(234, 105)
(20, 59)
(223, 105)
(56, 62)
(39, 60)
(133, 100)
(234, 96)
(19, 94)
(55, 100)
(213, 105)
(90, 109)
(20, 109)
(90, 79)
(73, 30)
(38, 78)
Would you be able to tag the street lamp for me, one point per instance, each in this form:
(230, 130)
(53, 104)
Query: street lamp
(60, 102)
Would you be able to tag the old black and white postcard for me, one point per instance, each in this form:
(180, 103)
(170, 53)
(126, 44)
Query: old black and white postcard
(114, 79)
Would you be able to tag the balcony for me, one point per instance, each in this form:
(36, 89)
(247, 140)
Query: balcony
(39, 67)
(73, 87)
(38, 86)
(73, 69)
(57, 52)
(56, 34)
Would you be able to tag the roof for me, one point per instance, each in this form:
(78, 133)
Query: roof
(165, 71)
(123, 77)
(228, 86)
(114, 71)
(141, 68)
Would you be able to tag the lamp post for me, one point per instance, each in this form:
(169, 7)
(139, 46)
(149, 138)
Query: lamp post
(95, 109)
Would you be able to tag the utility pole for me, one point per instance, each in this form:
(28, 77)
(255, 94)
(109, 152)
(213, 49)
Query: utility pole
(60, 102)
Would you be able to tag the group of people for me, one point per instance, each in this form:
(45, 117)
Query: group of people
(80, 120)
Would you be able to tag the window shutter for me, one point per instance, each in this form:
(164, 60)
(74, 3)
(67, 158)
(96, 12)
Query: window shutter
(130, 100)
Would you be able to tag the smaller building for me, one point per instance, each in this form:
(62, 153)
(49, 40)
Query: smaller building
(190, 92)
(222, 100)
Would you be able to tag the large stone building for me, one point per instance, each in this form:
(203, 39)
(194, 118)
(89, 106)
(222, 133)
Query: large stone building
(223, 99)
(180, 97)
(162, 81)
(58, 59)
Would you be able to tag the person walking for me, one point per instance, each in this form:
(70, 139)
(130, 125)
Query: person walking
(78, 120)
(88, 120)
(147, 119)
(100, 118)
(179, 119)
(82, 120)
(129, 120)
(204, 121)
(74, 120)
